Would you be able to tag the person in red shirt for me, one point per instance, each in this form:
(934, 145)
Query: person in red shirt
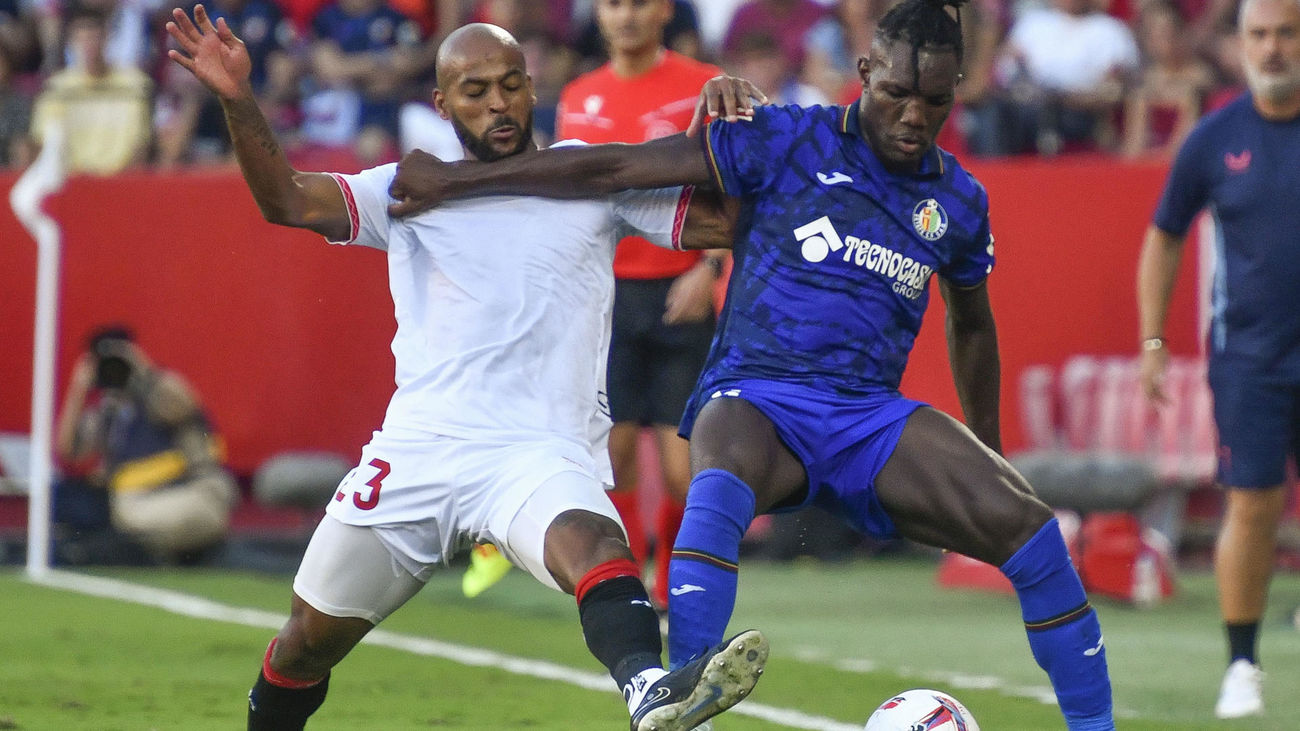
(663, 301)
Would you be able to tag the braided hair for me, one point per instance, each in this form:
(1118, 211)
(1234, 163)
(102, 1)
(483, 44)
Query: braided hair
(924, 23)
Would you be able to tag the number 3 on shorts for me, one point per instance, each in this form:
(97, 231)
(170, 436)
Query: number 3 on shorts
(374, 483)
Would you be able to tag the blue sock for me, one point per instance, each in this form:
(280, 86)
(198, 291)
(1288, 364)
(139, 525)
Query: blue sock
(703, 571)
(1064, 633)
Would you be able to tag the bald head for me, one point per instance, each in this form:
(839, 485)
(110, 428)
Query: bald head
(484, 90)
(473, 45)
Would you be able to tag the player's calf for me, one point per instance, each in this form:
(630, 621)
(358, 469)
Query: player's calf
(1063, 630)
(618, 622)
(703, 573)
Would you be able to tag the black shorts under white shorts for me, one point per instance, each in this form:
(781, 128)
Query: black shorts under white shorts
(652, 366)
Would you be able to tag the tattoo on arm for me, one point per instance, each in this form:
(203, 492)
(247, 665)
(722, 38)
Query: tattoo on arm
(244, 117)
(267, 141)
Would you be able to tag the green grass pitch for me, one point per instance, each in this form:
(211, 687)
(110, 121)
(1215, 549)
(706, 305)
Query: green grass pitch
(844, 637)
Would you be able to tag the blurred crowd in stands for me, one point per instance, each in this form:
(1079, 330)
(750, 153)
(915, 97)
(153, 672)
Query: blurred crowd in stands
(347, 83)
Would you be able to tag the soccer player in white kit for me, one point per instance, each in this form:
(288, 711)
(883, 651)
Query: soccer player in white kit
(503, 311)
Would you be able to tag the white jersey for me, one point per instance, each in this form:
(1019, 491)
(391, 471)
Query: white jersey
(503, 306)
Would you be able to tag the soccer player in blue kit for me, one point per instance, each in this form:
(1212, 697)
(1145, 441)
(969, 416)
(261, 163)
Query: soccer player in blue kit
(1243, 162)
(846, 212)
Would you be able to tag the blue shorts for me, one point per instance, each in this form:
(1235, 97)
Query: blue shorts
(842, 442)
(1258, 418)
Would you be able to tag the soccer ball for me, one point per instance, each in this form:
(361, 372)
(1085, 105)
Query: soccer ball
(922, 709)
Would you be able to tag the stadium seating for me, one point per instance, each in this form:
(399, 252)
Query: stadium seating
(1099, 449)
(1096, 443)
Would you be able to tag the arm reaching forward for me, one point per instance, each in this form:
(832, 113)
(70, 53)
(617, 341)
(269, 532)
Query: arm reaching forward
(423, 182)
(285, 196)
(585, 171)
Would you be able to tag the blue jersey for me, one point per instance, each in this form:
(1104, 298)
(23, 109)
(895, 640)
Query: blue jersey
(833, 253)
(1246, 169)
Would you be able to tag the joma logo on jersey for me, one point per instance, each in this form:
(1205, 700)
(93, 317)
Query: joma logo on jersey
(818, 239)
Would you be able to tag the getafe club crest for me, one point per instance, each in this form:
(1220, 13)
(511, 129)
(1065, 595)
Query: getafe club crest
(929, 219)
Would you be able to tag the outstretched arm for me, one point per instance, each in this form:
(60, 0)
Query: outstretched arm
(973, 353)
(423, 181)
(285, 196)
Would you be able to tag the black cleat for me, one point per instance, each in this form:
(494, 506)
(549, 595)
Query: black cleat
(705, 687)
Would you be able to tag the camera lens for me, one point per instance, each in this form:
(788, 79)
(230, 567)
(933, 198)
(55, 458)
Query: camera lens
(112, 371)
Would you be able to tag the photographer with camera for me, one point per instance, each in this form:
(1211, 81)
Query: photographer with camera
(155, 489)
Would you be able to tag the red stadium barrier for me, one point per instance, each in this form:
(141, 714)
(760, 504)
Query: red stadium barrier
(287, 338)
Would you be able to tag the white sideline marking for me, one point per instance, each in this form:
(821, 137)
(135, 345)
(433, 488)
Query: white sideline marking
(194, 606)
(1041, 693)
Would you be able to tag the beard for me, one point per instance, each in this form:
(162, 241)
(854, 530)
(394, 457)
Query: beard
(481, 148)
(1274, 87)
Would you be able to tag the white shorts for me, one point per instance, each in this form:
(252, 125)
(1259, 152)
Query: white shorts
(424, 500)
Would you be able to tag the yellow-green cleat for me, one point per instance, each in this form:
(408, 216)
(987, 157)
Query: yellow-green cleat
(486, 567)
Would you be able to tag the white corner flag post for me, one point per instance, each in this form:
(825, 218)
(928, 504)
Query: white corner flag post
(43, 177)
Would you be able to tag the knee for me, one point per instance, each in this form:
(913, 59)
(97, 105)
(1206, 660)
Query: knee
(306, 649)
(297, 654)
(1256, 510)
(677, 482)
(677, 490)
(627, 471)
(1014, 524)
(733, 436)
(1030, 523)
(734, 456)
(578, 541)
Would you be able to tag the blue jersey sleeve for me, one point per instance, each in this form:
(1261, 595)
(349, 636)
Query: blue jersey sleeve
(975, 263)
(972, 260)
(1187, 189)
(741, 154)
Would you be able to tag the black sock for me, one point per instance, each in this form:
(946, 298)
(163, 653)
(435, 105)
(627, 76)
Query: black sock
(621, 628)
(1242, 641)
(276, 708)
